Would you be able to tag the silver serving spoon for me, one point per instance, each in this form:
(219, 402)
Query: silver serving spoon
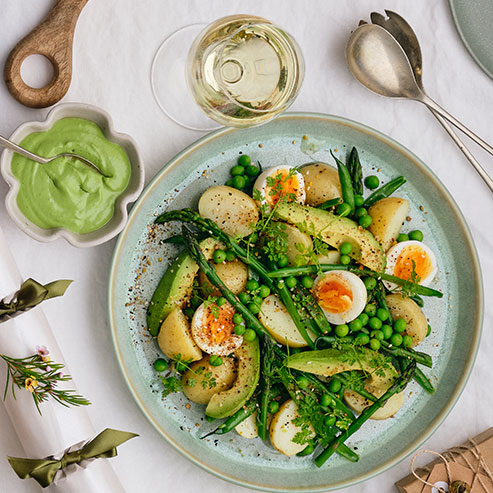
(379, 63)
(406, 37)
(44, 160)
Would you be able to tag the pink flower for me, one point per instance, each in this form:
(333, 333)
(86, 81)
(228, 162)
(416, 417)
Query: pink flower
(42, 351)
(48, 368)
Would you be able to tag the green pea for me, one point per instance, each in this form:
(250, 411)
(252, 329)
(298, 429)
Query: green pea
(302, 382)
(375, 323)
(396, 340)
(345, 259)
(359, 200)
(407, 341)
(257, 300)
(282, 261)
(230, 256)
(252, 285)
(346, 248)
(372, 182)
(244, 160)
(360, 212)
(370, 283)
(253, 308)
(237, 170)
(221, 301)
(382, 314)
(308, 450)
(375, 344)
(307, 282)
(249, 335)
(160, 364)
(342, 330)
(219, 256)
(252, 170)
(239, 182)
(402, 237)
(400, 325)
(325, 400)
(273, 407)
(239, 330)
(215, 360)
(343, 209)
(229, 183)
(428, 332)
(291, 282)
(335, 385)
(377, 334)
(237, 318)
(387, 331)
(364, 318)
(371, 309)
(365, 221)
(362, 339)
(355, 325)
(244, 297)
(180, 367)
(264, 291)
(416, 235)
(330, 421)
(280, 284)
(210, 419)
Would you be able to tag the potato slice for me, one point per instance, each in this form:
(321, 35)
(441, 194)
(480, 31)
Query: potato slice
(248, 427)
(297, 241)
(234, 274)
(331, 257)
(358, 403)
(282, 429)
(406, 308)
(321, 183)
(233, 211)
(275, 317)
(203, 380)
(388, 216)
(175, 338)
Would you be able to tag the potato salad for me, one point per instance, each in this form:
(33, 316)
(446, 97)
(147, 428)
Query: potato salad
(294, 312)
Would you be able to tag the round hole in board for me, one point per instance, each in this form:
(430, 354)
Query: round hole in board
(37, 71)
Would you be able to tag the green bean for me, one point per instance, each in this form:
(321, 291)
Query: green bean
(424, 381)
(421, 358)
(384, 191)
(330, 203)
(418, 300)
(359, 390)
(313, 308)
(346, 183)
(267, 358)
(344, 451)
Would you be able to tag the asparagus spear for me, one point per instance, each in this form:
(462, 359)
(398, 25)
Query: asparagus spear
(398, 386)
(267, 360)
(354, 168)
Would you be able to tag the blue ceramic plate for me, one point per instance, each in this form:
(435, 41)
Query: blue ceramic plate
(140, 260)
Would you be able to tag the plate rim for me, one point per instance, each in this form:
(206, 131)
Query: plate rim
(476, 269)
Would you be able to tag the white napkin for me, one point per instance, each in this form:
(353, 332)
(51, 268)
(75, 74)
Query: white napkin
(59, 427)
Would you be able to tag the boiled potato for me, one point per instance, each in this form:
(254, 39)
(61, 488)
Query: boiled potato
(276, 319)
(233, 211)
(248, 427)
(321, 183)
(388, 216)
(331, 257)
(175, 338)
(198, 379)
(282, 430)
(359, 403)
(406, 308)
(297, 241)
(234, 274)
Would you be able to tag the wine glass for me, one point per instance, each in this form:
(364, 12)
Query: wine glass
(240, 70)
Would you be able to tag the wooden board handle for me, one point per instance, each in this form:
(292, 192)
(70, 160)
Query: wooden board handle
(53, 39)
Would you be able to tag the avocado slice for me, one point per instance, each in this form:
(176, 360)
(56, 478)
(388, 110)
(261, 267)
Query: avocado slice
(226, 403)
(328, 362)
(335, 230)
(175, 287)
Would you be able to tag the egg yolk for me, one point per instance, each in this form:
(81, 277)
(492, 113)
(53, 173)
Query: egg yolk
(218, 323)
(413, 258)
(285, 184)
(334, 295)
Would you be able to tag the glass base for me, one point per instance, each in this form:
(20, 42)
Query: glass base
(169, 85)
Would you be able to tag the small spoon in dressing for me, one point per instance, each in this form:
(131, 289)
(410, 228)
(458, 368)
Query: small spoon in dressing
(45, 160)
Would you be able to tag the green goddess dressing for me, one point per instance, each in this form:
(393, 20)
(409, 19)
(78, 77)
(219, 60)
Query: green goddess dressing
(65, 192)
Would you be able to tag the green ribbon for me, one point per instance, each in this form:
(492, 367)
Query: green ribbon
(30, 294)
(43, 471)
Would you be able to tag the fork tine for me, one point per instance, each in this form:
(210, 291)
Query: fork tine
(377, 18)
(362, 22)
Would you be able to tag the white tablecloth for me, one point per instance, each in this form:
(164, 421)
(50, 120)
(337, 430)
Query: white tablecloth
(114, 45)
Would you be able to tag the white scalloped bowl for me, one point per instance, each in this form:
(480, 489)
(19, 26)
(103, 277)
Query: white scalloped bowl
(131, 193)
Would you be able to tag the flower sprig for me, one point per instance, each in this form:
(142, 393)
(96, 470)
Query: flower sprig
(40, 376)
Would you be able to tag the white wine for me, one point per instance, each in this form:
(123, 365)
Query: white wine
(243, 70)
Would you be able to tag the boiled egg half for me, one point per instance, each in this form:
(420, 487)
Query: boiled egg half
(212, 329)
(409, 256)
(341, 295)
(280, 181)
